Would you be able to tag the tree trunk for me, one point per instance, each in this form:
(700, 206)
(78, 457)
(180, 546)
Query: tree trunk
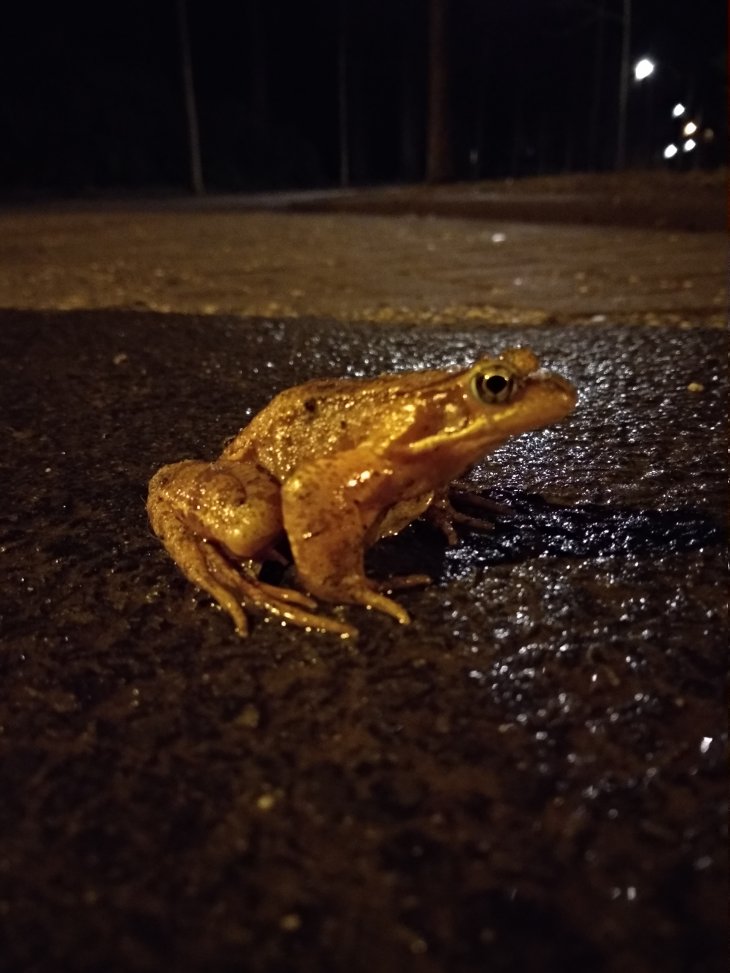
(342, 99)
(623, 85)
(438, 146)
(191, 112)
(411, 94)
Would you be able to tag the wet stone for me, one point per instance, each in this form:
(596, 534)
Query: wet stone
(528, 777)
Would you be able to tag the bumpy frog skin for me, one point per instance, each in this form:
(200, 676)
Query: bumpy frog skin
(332, 466)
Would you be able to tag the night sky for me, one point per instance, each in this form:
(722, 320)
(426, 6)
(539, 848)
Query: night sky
(92, 96)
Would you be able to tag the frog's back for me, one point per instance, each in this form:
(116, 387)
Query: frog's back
(325, 416)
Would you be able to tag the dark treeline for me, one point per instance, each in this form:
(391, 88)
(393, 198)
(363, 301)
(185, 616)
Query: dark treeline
(291, 94)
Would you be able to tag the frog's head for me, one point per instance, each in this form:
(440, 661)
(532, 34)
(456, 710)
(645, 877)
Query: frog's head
(511, 394)
(467, 414)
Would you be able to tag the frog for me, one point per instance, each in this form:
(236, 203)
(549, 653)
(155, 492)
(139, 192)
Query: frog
(330, 467)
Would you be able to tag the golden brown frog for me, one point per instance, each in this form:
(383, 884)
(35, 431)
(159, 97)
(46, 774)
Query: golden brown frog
(333, 465)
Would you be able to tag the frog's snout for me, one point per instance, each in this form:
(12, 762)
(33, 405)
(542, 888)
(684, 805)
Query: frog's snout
(557, 380)
(560, 389)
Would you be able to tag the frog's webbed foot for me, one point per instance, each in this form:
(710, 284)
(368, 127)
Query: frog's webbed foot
(234, 584)
(444, 515)
(464, 490)
(239, 583)
(297, 608)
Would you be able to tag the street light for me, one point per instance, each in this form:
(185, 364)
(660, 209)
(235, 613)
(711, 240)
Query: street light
(670, 151)
(644, 68)
(689, 145)
(689, 129)
(678, 110)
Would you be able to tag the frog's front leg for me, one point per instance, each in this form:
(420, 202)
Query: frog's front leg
(331, 509)
(218, 521)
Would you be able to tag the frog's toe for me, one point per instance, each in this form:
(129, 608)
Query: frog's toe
(309, 620)
(229, 603)
(464, 491)
(476, 523)
(374, 599)
(288, 595)
(401, 581)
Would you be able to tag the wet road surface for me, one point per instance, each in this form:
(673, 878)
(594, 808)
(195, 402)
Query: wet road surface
(529, 777)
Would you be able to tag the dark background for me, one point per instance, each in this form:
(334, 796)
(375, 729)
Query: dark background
(91, 94)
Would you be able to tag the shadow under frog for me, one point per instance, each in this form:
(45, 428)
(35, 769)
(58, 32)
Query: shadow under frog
(530, 526)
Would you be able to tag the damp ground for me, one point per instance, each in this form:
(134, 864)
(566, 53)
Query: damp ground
(531, 776)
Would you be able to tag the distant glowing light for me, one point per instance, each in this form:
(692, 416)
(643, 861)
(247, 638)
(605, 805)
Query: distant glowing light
(678, 110)
(708, 135)
(644, 68)
(670, 151)
(689, 129)
(689, 145)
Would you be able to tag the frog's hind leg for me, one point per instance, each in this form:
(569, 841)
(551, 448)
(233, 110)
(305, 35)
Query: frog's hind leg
(217, 523)
(233, 583)
(199, 562)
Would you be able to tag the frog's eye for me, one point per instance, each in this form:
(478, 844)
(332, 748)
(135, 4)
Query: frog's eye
(494, 385)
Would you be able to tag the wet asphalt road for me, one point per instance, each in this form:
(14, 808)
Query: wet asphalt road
(530, 777)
